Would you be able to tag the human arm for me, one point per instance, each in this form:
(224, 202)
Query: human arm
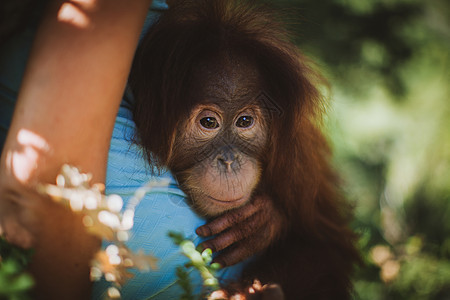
(65, 113)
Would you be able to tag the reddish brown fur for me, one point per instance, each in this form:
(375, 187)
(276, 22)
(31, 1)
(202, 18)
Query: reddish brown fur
(313, 257)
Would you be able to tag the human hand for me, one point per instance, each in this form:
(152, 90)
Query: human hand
(17, 216)
(243, 232)
(59, 239)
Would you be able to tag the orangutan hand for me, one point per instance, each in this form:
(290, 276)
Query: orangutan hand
(243, 232)
(255, 292)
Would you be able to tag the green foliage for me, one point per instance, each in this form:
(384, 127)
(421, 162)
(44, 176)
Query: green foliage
(363, 42)
(15, 283)
(388, 62)
(185, 283)
(199, 261)
(394, 156)
(423, 277)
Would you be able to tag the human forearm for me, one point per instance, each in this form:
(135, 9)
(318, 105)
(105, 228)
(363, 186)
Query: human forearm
(73, 85)
(65, 113)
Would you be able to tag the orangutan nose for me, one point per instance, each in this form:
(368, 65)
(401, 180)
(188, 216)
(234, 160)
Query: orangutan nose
(227, 160)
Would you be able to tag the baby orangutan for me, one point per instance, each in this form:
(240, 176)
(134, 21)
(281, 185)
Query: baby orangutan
(230, 106)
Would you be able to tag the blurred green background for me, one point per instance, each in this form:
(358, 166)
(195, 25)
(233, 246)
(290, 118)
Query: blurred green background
(389, 122)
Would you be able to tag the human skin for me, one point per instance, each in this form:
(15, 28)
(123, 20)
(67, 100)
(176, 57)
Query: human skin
(65, 112)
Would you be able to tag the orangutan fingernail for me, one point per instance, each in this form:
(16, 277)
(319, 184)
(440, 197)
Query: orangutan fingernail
(205, 245)
(199, 231)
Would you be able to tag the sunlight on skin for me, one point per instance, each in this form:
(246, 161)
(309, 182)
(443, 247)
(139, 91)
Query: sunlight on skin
(75, 13)
(23, 162)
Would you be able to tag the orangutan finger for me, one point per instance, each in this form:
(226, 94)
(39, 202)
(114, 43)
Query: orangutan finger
(267, 292)
(216, 295)
(236, 233)
(227, 220)
(238, 252)
(272, 292)
(251, 226)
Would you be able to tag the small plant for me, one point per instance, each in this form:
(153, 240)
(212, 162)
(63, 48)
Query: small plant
(103, 217)
(199, 261)
(15, 283)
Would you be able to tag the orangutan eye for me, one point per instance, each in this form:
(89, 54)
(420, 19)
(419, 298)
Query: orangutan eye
(244, 121)
(209, 122)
